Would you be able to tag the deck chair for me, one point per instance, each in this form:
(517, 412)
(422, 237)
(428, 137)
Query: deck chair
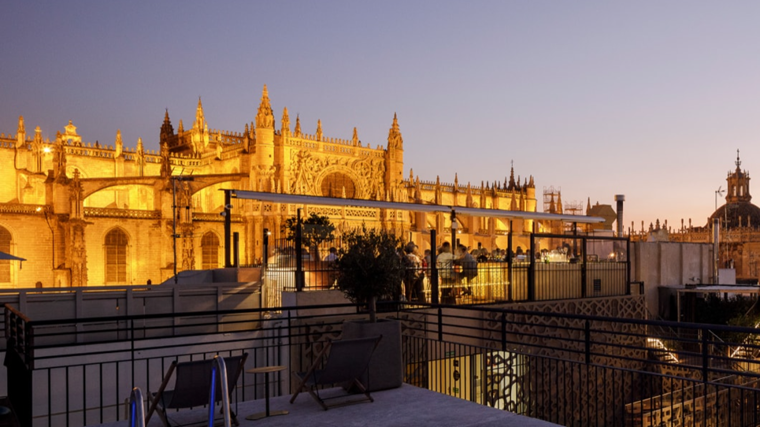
(345, 364)
(191, 387)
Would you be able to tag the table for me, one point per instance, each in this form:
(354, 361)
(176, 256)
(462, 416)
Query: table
(266, 370)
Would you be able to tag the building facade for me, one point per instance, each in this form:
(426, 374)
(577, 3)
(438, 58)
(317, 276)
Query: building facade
(85, 214)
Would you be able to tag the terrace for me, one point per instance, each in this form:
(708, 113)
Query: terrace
(561, 368)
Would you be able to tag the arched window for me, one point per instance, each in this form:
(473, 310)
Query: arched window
(116, 256)
(335, 183)
(5, 246)
(209, 251)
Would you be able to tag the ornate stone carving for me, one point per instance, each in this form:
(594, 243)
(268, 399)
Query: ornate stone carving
(307, 171)
(265, 116)
(78, 255)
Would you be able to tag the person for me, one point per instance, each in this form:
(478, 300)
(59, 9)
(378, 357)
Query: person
(469, 268)
(446, 272)
(332, 273)
(413, 275)
(332, 255)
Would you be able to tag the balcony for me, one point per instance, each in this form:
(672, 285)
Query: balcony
(567, 369)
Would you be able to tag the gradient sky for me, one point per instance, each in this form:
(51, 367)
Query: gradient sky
(648, 99)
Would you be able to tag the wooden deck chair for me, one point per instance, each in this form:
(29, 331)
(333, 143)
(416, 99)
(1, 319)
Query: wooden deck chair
(191, 387)
(345, 363)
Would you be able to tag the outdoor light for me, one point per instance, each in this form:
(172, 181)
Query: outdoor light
(46, 149)
(39, 208)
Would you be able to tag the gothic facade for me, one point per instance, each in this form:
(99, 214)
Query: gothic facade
(85, 214)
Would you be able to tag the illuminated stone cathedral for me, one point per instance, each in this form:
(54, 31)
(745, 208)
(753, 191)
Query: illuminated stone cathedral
(85, 214)
(739, 223)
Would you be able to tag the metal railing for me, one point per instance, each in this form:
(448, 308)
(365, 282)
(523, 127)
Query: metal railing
(581, 266)
(568, 369)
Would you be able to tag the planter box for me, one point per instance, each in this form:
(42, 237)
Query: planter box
(386, 367)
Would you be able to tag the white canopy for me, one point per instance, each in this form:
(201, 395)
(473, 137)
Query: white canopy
(415, 207)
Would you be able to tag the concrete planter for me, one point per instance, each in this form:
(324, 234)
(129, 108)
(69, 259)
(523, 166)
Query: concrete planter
(386, 367)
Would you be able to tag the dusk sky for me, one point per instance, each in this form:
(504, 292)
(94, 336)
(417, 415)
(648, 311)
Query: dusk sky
(646, 99)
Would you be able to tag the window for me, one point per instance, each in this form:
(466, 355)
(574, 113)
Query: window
(209, 251)
(116, 256)
(334, 184)
(5, 246)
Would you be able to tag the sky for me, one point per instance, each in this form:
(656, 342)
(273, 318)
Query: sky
(648, 99)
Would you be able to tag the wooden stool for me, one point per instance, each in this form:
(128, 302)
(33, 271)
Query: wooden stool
(265, 370)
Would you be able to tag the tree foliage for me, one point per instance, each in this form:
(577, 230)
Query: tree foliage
(314, 230)
(369, 266)
(736, 311)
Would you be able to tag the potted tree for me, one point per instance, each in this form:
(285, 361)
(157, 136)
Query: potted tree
(369, 268)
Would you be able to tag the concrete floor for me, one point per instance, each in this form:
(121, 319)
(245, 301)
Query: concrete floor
(405, 406)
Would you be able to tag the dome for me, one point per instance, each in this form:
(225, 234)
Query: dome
(730, 214)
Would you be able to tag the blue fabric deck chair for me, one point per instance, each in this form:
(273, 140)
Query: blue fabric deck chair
(345, 361)
(192, 386)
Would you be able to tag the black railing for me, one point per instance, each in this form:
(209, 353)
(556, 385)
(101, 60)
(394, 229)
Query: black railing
(564, 368)
(568, 267)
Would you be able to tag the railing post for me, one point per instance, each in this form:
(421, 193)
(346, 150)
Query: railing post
(227, 228)
(584, 285)
(588, 341)
(509, 263)
(705, 355)
(503, 331)
(434, 290)
(299, 256)
(532, 269)
(440, 324)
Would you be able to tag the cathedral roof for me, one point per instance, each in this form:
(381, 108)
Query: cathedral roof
(734, 215)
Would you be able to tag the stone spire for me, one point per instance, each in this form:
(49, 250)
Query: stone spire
(512, 178)
(285, 122)
(395, 140)
(355, 138)
(247, 139)
(140, 157)
(200, 119)
(119, 144)
(265, 116)
(180, 128)
(167, 130)
(297, 130)
(319, 130)
(21, 133)
(588, 210)
(559, 202)
(513, 203)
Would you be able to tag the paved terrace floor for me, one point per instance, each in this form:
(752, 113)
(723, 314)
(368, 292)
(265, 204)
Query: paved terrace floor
(405, 406)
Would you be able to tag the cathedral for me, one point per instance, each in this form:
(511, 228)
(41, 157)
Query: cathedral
(86, 214)
(739, 223)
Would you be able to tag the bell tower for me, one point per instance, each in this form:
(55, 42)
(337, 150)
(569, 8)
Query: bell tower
(394, 158)
(738, 184)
